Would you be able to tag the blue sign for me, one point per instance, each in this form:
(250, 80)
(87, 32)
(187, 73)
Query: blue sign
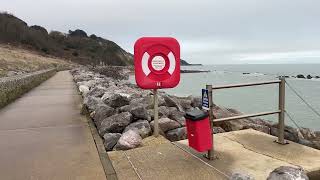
(205, 99)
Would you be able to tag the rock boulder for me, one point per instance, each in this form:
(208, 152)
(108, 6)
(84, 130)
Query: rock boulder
(139, 112)
(110, 140)
(196, 102)
(116, 123)
(241, 176)
(177, 134)
(235, 125)
(129, 140)
(150, 114)
(117, 100)
(147, 101)
(287, 173)
(309, 76)
(290, 133)
(308, 134)
(97, 91)
(217, 130)
(166, 124)
(102, 112)
(178, 116)
(301, 76)
(91, 102)
(164, 111)
(185, 103)
(83, 89)
(172, 101)
(141, 126)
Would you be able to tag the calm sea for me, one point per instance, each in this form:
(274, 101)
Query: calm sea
(257, 98)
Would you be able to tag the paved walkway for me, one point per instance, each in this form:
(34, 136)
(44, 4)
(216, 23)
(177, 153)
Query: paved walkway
(43, 135)
(161, 160)
(246, 151)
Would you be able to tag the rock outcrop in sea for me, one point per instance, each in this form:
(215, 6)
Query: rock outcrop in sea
(123, 113)
(301, 76)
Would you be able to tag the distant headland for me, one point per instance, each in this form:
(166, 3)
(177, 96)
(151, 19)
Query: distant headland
(185, 63)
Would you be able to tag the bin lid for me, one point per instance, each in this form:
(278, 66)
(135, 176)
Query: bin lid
(196, 115)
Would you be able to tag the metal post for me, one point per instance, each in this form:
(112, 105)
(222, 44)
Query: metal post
(282, 92)
(211, 151)
(156, 114)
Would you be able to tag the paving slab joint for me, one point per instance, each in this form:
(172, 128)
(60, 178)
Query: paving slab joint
(259, 152)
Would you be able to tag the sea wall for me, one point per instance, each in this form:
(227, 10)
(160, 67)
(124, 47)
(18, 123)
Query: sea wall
(123, 113)
(13, 87)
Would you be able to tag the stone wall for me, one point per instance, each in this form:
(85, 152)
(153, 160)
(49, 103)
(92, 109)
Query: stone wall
(13, 87)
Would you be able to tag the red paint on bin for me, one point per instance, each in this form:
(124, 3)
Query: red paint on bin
(199, 134)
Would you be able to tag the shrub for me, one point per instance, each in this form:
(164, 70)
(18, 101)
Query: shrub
(77, 33)
(45, 50)
(75, 53)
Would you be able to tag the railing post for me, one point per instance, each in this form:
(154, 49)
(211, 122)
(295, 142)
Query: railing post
(211, 151)
(156, 113)
(282, 91)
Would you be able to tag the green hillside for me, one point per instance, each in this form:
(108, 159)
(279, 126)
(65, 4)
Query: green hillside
(75, 45)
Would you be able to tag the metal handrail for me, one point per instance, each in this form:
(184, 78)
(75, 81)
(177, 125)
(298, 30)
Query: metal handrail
(280, 111)
(246, 116)
(246, 84)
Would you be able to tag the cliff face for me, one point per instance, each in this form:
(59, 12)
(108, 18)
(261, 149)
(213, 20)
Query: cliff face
(76, 45)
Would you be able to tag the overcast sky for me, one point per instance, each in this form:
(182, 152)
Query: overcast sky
(209, 31)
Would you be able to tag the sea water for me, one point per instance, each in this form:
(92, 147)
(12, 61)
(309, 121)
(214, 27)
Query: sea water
(258, 98)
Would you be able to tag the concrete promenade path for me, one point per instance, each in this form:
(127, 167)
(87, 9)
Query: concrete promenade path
(246, 151)
(44, 137)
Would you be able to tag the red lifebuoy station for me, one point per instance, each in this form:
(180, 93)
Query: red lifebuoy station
(157, 62)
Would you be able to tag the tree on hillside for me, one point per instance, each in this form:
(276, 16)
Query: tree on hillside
(78, 33)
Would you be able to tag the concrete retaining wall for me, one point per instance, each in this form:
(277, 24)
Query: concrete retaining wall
(13, 87)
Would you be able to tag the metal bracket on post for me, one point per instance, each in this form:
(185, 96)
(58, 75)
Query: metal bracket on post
(156, 113)
(210, 154)
(281, 125)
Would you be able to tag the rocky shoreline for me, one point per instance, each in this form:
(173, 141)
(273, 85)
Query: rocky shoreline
(123, 113)
(193, 71)
(299, 76)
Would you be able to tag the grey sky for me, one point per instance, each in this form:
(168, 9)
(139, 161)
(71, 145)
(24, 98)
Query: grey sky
(209, 31)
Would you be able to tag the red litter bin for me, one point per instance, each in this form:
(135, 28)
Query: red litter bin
(198, 130)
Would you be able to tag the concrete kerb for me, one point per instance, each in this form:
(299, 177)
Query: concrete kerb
(103, 155)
